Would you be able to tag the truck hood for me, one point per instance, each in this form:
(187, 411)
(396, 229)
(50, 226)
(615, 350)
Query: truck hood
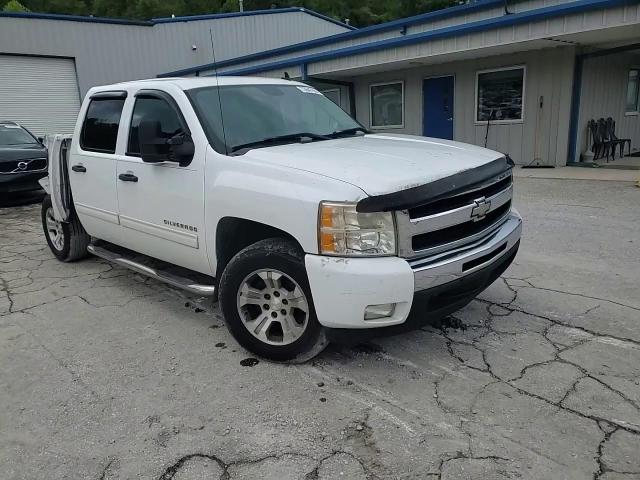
(380, 163)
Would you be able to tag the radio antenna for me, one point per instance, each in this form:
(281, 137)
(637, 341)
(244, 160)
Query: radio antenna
(215, 74)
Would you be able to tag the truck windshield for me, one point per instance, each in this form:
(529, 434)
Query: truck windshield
(264, 115)
(14, 135)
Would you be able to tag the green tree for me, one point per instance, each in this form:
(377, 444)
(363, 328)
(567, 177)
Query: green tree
(70, 7)
(14, 6)
(360, 13)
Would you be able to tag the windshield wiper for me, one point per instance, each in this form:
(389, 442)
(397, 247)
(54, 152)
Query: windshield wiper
(348, 131)
(280, 138)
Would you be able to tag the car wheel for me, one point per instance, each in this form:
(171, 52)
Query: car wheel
(67, 240)
(266, 302)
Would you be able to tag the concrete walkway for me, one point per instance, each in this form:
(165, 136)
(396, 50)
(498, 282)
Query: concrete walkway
(579, 173)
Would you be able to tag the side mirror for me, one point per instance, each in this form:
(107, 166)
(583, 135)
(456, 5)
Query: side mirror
(41, 140)
(181, 149)
(156, 148)
(153, 147)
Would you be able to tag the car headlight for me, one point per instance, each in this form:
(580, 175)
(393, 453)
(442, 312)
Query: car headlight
(344, 231)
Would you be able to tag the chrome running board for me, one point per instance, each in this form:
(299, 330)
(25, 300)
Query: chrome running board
(161, 275)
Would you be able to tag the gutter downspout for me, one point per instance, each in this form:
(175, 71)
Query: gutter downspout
(575, 115)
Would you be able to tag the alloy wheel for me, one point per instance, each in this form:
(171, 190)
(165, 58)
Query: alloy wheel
(273, 307)
(54, 228)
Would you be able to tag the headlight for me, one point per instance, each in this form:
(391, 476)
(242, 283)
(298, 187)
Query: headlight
(343, 231)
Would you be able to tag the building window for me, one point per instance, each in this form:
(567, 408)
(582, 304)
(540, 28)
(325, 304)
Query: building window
(500, 94)
(633, 84)
(387, 105)
(332, 94)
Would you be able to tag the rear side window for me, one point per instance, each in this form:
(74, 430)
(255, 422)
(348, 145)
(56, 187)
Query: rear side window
(154, 109)
(100, 128)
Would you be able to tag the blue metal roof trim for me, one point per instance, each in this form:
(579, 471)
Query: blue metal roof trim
(505, 20)
(77, 18)
(359, 32)
(158, 21)
(248, 13)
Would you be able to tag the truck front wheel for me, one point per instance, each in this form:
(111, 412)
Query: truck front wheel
(67, 240)
(267, 305)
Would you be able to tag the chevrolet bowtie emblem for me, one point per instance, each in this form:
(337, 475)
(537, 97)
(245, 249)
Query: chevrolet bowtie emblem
(480, 209)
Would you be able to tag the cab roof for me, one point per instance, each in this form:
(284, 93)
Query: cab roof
(187, 83)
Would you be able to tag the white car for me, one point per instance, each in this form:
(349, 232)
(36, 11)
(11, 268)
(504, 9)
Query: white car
(271, 198)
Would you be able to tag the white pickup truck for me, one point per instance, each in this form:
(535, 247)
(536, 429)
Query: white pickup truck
(266, 195)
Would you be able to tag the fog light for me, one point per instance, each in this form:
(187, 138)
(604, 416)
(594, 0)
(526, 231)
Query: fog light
(374, 312)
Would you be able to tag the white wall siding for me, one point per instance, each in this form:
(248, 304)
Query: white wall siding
(98, 48)
(542, 136)
(604, 88)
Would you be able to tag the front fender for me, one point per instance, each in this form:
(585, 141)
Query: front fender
(280, 197)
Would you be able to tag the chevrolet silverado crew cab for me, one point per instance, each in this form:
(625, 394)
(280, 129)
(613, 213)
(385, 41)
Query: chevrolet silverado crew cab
(267, 196)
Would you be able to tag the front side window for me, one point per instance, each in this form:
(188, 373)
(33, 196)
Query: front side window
(100, 128)
(157, 110)
(11, 134)
(500, 94)
(387, 105)
(259, 113)
(633, 86)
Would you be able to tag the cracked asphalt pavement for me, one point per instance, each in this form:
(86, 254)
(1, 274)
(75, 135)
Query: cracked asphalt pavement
(108, 375)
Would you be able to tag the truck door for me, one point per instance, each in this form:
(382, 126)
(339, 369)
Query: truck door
(161, 205)
(92, 165)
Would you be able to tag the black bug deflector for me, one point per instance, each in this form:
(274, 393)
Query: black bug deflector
(433, 191)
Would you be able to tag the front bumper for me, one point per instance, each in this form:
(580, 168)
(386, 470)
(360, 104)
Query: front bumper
(342, 288)
(20, 182)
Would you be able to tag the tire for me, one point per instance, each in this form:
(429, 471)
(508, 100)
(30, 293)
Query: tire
(288, 330)
(71, 241)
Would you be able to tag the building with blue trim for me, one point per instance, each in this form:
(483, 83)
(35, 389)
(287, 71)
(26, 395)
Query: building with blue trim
(522, 76)
(48, 62)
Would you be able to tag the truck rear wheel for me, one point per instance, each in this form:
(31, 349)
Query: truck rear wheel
(267, 305)
(67, 240)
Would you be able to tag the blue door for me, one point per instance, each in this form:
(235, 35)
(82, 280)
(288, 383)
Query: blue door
(437, 95)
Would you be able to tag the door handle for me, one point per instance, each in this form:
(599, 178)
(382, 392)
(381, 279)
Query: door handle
(79, 168)
(128, 177)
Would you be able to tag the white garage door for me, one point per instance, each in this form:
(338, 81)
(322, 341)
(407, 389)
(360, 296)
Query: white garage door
(40, 93)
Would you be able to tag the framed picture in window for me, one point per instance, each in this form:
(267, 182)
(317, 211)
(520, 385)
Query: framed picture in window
(386, 101)
(500, 95)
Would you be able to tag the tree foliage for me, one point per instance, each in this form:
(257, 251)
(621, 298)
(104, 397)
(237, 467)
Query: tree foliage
(359, 12)
(14, 6)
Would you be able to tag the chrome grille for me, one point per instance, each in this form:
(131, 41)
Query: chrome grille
(452, 222)
(21, 166)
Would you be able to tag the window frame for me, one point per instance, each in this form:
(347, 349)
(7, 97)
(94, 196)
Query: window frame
(524, 91)
(336, 89)
(402, 102)
(157, 95)
(636, 112)
(98, 96)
